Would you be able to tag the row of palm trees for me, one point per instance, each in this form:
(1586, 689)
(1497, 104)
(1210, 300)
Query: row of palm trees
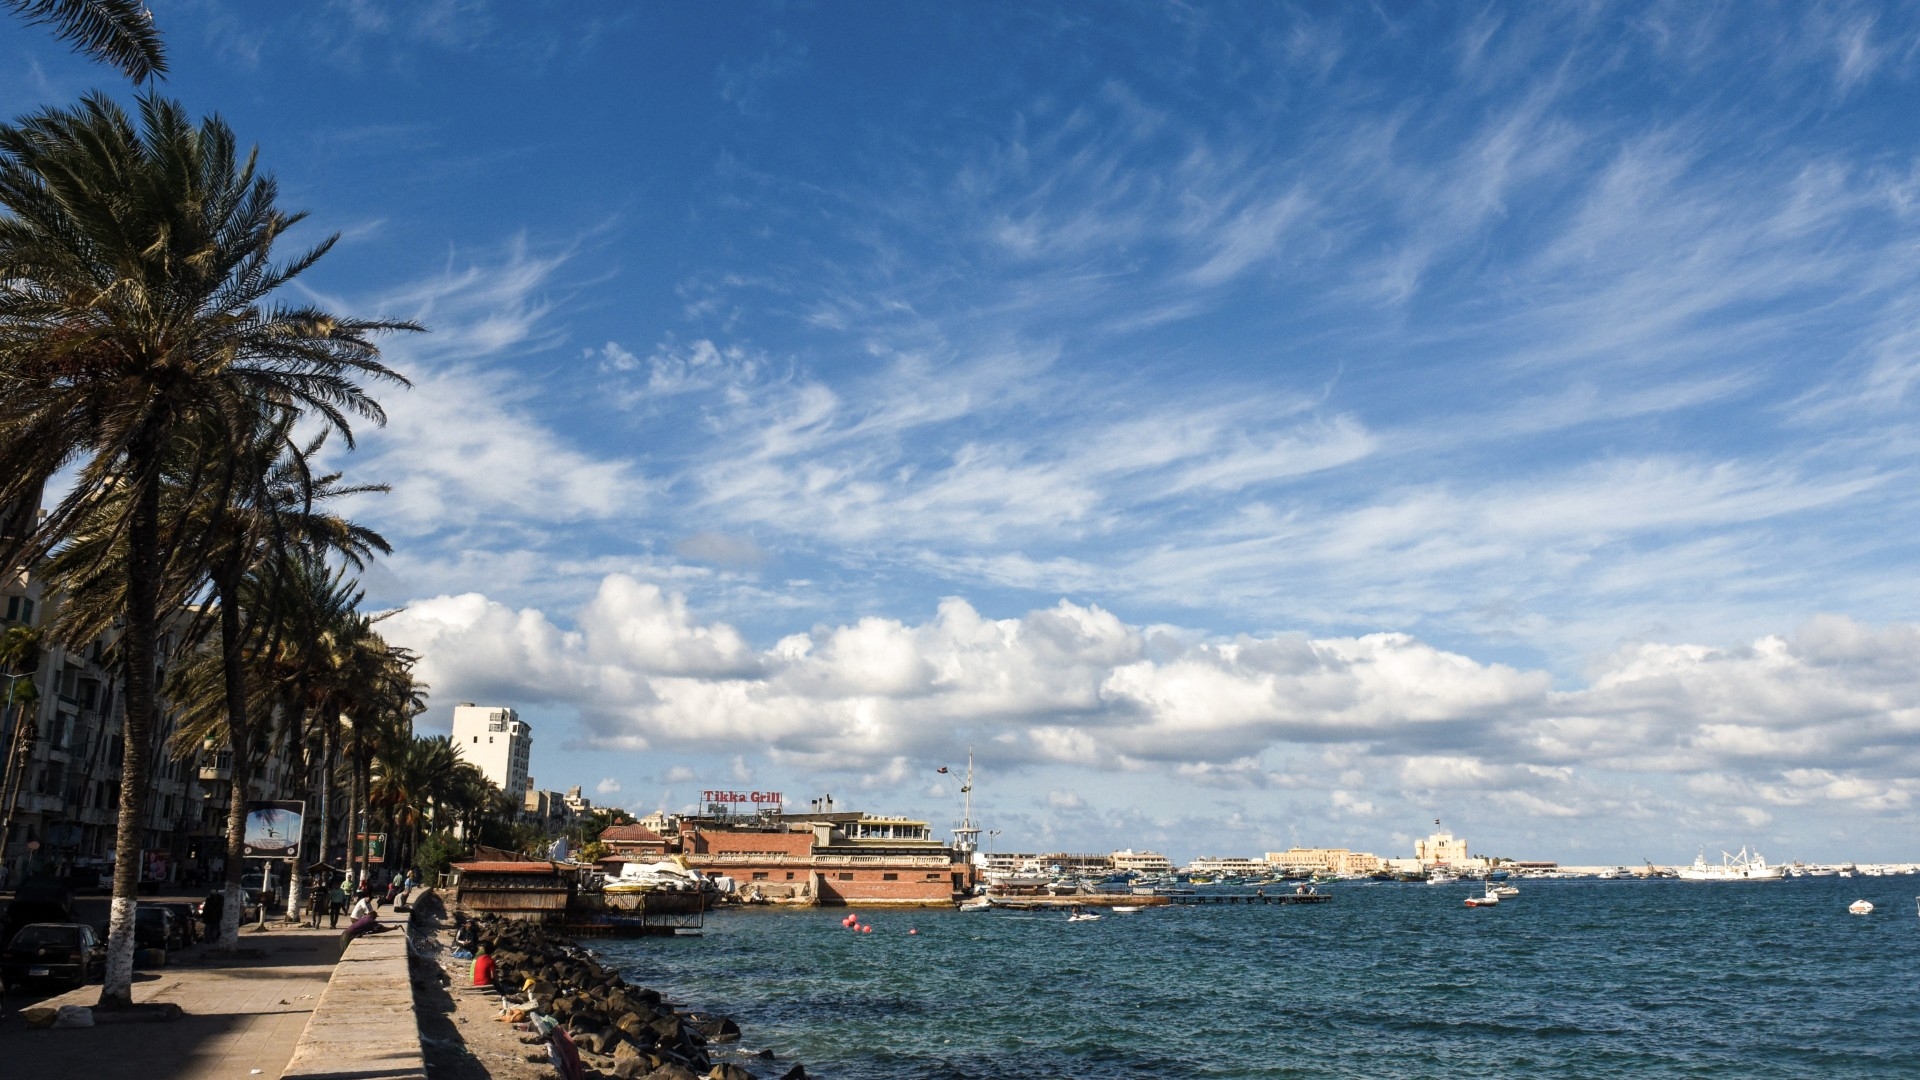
(150, 368)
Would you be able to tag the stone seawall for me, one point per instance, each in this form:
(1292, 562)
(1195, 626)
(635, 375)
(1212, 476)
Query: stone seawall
(364, 1027)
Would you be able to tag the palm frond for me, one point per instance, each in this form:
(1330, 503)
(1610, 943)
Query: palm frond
(116, 32)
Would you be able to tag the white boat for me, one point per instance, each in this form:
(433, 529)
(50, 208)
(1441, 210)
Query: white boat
(1860, 907)
(1441, 877)
(1741, 867)
(1083, 916)
(977, 903)
(1124, 909)
(1505, 892)
(1486, 899)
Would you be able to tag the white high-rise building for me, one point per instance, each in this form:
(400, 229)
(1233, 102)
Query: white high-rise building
(497, 742)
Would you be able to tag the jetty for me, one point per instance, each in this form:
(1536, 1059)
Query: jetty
(1212, 899)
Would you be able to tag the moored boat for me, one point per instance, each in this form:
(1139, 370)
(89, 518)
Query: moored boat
(1740, 867)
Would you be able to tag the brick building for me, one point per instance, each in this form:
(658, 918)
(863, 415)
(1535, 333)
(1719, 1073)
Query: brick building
(828, 858)
(633, 843)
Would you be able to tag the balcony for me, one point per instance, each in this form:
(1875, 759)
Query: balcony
(220, 773)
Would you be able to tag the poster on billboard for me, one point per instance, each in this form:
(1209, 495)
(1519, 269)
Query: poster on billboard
(273, 830)
(370, 846)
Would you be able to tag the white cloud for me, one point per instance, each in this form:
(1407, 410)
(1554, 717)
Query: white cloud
(1831, 714)
(607, 786)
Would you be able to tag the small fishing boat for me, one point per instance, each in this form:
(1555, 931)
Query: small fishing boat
(1083, 916)
(1505, 892)
(977, 903)
(1860, 907)
(1440, 877)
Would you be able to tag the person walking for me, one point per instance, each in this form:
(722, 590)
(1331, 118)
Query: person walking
(336, 903)
(214, 906)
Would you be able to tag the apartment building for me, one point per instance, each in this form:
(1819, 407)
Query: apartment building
(498, 742)
(61, 751)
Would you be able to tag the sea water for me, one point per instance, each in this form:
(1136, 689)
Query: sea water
(1570, 979)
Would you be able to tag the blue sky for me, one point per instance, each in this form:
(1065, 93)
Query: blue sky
(1241, 425)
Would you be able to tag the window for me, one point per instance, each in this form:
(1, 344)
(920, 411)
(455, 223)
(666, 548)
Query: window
(933, 877)
(761, 875)
(889, 877)
(846, 875)
(13, 607)
(789, 875)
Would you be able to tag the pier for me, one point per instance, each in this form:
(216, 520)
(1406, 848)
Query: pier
(1209, 899)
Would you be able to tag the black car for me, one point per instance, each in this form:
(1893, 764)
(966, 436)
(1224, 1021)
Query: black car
(155, 927)
(38, 901)
(69, 953)
(188, 915)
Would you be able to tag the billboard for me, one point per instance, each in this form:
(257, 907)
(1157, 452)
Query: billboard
(273, 830)
(372, 845)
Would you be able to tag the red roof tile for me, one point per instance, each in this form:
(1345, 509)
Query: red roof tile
(506, 867)
(629, 834)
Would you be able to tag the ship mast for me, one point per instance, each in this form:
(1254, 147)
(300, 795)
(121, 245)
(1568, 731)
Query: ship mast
(967, 836)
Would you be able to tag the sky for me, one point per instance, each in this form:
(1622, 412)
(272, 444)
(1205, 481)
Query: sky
(1239, 425)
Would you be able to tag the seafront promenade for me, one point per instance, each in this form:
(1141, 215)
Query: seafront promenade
(242, 1014)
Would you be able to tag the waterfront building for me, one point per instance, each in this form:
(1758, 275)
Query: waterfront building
(497, 742)
(1140, 862)
(828, 858)
(1441, 849)
(1232, 866)
(1325, 860)
(633, 843)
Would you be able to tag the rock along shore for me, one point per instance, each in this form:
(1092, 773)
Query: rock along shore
(622, 1031)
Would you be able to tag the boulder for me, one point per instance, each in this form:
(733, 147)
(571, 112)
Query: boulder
(637, 1028)
(798, 1072)
(717, 1028)
(633, 1068)
(729, 1071)
(671, 1071)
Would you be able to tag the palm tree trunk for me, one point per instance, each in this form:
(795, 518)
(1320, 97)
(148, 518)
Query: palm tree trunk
(297, 879)
(11, 771)
(138, 664)
(326, 791)
(240, 729)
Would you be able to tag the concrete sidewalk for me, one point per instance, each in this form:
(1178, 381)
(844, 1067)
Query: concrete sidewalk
(243, 1015)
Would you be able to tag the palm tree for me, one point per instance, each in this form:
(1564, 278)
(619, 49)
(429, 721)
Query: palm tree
(20, 655)
(416, 784)
(136, 265)
(117, 32)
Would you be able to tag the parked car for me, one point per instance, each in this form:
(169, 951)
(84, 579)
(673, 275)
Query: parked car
(68, 953)
(187, 913)
(254, 885)
(38, 901)
(154, 927)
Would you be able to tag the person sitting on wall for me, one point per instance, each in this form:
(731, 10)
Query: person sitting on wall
(483, 969)
(365, 921)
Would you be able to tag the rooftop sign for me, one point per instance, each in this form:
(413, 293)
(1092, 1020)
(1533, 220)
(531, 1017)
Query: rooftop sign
(757, 798)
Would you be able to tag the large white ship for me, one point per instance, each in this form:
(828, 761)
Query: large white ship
(1741, 867)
